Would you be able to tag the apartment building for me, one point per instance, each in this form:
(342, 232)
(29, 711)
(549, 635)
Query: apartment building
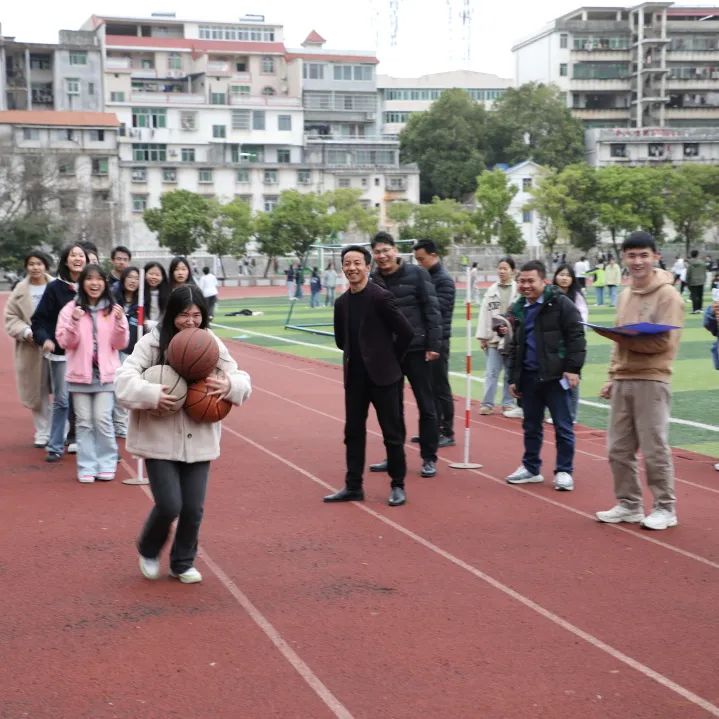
(37, 76)
(651, 65)
(523, 176)
(64, 163)
(399, 97)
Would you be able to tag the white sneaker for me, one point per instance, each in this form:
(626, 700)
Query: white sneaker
(618, 514)
(515, 413)
(716, 466)
(660, 518)
(189, 576)
(549, 420)
(72, 448)
(150, 568)
(521, 475)
(563, 482)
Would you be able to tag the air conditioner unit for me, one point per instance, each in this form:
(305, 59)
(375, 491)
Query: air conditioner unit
(172, 153)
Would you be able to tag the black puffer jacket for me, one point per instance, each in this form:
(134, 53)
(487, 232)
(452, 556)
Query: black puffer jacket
(561, 345)
(417, 300)
(445, 289)
(57, 294)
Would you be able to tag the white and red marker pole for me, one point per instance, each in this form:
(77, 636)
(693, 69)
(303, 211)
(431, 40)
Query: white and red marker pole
(140, 478)
(466, 464)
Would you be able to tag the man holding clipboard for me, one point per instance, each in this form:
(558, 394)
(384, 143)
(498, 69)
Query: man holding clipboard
(650, 314)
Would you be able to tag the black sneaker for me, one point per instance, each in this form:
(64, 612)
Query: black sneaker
(429, 468)
(446, 441)
(53, 457)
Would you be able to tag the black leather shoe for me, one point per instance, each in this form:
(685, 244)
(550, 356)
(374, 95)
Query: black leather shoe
(345, 495)
(429, 468)
(414, 438)
(446, 441)
(397, 497)
(379, 467)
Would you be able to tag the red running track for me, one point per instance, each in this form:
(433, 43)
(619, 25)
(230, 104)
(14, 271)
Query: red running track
(476, 599)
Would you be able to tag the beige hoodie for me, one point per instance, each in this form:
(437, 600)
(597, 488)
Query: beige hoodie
(648, 357)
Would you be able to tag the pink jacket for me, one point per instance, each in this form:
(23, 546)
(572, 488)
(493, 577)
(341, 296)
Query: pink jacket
(75, 336)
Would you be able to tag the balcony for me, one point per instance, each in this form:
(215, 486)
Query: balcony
(608, 113)
(601, 55)
(312, 137)
(265, 101)
(599, 84)
(167, 98)
(118, 64)
(217, 67)
(693, 56)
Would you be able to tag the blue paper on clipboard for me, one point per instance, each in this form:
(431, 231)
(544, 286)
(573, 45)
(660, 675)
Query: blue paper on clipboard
(633, 330)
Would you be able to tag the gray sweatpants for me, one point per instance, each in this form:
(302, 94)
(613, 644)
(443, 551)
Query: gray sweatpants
(640, 420)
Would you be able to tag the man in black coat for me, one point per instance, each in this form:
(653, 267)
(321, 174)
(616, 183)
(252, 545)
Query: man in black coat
(417, 300)
(427, 256)
(373, 336)
(546, 356)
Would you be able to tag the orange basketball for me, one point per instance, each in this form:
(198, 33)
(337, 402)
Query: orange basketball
(164, 374)
(204, 408)
(193, 353)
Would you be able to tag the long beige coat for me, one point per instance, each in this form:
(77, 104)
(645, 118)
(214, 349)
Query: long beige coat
(31, 378)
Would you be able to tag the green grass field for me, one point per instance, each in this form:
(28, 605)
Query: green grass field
(695, 383)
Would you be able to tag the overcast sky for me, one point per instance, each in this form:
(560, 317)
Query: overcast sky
(426, 39)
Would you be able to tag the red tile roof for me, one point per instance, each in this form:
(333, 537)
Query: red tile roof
(183, 43)
(314, 38)
(59, 118)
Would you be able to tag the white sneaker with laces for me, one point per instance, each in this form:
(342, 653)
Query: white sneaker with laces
(521, 475)
(660, 518)
(189, 576)
(563, 482)
(716, 466)
(150, 568)
(72, 448)
(620, 513)
(516, 413)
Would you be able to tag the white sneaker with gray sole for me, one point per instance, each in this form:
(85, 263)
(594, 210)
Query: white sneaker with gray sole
(189, 576)
(563, 482)
(521, 475)
(620, 513)
(660, 518)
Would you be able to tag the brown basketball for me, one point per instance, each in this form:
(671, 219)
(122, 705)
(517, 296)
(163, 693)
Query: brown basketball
(203, 408)
(176, 386)
(193, 353)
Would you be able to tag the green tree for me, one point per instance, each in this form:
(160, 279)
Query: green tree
(549, 201)
(24, 233)
(494, 195)
(272, 243)
(401, 214)
(579, 185)
(232, 228)
(346, 212)
(448, 144)
(183, 221)
(533, 121)
(445, 222)
(510, 237)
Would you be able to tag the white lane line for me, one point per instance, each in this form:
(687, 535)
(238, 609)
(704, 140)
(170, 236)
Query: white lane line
(311, 679)
(460, 375)
(617, 527)
(513, 594)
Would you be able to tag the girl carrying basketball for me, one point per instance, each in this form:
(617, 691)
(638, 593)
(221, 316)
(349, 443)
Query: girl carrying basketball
(177, 450)
(93, 329)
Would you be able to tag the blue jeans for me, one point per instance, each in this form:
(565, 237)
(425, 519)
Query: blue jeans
(599, 294)
(535, 397)
(56, 443)
(95, 431)
(329, 296)
(496, 362)
(315, 299)
(612, 295)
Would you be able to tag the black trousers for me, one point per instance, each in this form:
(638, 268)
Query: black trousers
(419, 373)
(696, 292)
(360, 392)
(443, 400)
(179, 491)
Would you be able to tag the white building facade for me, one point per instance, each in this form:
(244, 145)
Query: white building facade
(523, 177)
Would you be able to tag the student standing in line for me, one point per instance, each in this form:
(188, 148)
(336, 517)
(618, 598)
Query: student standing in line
(180, 272)
(120, 258)
(581, 267)
(57, 294)
(32, 370)
(329, 282)
(157, 292)
(93, 329)
(208, 284)
(178, 470)
(638, 387)
(315, 288)
(612, 278)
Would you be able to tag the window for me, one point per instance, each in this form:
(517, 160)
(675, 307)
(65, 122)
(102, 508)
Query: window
(313, 71)
(563, 40)
(363, 182)
(284, 123)
(344, 182)
(30, 133)
(117, 97)
(376, 181)
(354, 72)
(268, 91)
(188, 121)
(149, 117)
(691, 149)
(248, 153)
(72, 85)
(397, 183)
(247, 199)
(526, 216)
(218, 98)
(219, 131)
(139, 203)
(268, 65)
(99, 165)
(304, 177)
(68, 200)
(391, 117)
(618, 150)
(242, 176)
(147, 63)
(258, 119)
(283, 156)
(204, 175)
(188, 154)
(563, 69)
(90, 88)
(240, 119)
(270, 202)
(66, 167)
(270, 177)
(146, 152)
(139, 174)
(66, 135)
(241, 65)
(97, 136)
(526, 184)
(174, 61)
(656, 149)
(169, 174)
(78, 57)
(39, 62)
(239, 90)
